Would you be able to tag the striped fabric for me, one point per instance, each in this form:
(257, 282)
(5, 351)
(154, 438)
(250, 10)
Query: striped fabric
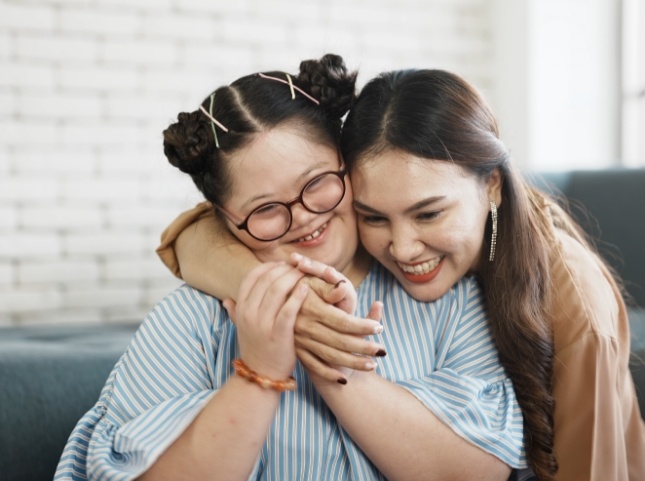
(441, 352)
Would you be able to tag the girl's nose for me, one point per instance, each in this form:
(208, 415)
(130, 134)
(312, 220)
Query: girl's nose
(300, 215)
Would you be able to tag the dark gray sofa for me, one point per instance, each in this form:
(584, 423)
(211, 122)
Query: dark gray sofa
(610, 205)
(50, 376)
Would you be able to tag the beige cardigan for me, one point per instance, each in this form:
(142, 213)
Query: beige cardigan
(599, 431)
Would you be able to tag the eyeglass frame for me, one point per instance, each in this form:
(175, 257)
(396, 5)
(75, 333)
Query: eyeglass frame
(296, 200)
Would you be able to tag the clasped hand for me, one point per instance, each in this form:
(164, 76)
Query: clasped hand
(304, 311)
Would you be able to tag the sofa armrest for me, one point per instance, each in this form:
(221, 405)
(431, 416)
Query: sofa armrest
(50, 376)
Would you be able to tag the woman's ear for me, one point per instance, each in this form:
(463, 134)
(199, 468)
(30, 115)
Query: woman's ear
(494, 187)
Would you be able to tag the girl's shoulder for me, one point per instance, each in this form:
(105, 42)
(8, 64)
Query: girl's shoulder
(189, 309)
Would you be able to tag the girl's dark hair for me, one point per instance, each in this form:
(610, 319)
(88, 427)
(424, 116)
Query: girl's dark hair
(436, 115)
(251, 105)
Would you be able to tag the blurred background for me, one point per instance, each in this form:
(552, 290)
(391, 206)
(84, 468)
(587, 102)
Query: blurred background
(87, 86)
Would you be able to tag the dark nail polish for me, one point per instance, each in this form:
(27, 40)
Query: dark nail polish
(381, 353)
(342, 380)
(339, 283)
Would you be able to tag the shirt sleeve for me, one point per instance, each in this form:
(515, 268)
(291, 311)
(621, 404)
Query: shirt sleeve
(588, 422)
(153, 394)
(598, 431)
(468, 389)
(166, 249)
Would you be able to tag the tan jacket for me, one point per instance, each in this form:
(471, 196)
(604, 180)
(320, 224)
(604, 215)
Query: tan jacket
(599, 433)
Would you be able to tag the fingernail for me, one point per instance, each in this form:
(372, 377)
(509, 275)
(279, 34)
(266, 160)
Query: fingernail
(342, 380)
(381, 353)
(295, 256)
(339, 283)
(378, 329)
(370, 365)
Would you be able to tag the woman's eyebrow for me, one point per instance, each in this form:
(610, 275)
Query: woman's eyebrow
(360, 206)
(414, 207)
(424, 203)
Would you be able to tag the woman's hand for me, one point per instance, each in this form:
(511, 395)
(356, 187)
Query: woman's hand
(330, 342)
(327, 355)
(336, 288)
(265, 314)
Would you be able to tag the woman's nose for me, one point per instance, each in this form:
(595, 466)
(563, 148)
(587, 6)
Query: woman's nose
(405, 246)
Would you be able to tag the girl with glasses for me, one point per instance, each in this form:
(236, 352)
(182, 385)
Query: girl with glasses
(280, 384)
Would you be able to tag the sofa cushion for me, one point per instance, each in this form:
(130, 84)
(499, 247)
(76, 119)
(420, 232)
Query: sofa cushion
(637, 364)
(610, 206)
(50, 376)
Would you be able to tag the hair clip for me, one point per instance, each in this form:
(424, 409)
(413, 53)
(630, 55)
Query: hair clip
(292, 87)
(209, 113)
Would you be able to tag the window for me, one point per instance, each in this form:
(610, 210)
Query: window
(633, 83)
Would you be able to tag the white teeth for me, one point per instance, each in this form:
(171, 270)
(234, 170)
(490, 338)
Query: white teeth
(420, 269)
(313, 235)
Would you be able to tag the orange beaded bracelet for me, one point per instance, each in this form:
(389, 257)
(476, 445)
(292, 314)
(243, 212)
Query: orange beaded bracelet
(247, 373)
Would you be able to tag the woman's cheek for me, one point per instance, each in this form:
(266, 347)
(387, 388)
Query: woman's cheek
(374, 240)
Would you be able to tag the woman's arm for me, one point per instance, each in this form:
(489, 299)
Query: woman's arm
(198, 248)
(598, 431)
(442, 405)
(404, 439)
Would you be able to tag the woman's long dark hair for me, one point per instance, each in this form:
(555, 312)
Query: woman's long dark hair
(436, 115)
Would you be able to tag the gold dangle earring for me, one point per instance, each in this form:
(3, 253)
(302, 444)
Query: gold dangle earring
(493, 239)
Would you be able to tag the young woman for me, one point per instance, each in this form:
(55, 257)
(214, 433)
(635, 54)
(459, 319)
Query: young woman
(437, 199)
(205, 391)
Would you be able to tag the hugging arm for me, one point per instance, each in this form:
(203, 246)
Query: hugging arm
(199, 249)
(452, 414)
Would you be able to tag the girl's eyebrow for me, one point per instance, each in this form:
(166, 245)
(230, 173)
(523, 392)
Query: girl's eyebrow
(414, 207)
(301, 177)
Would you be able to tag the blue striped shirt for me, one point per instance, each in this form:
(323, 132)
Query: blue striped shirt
(441, 352)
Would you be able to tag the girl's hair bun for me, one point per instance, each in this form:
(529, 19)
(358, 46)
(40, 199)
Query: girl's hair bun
(329, 81)
(187, 144)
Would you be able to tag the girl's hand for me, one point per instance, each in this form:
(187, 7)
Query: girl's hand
(265, 314)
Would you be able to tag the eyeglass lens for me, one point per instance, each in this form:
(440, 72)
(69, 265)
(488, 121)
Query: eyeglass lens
(321, 195)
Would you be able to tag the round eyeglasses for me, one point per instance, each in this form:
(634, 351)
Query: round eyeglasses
(272, 220)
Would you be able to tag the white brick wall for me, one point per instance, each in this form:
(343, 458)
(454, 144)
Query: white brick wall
(87, 86)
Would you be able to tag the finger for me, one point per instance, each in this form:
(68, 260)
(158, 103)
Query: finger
(230, 305)
(333, 294)
(337, 319)
(316, 268)
(262, 289)
(335, 357)
(276, 292)
(339, 342)
(376, 311)
(286, 318)
(316, 367)
(252, 278)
